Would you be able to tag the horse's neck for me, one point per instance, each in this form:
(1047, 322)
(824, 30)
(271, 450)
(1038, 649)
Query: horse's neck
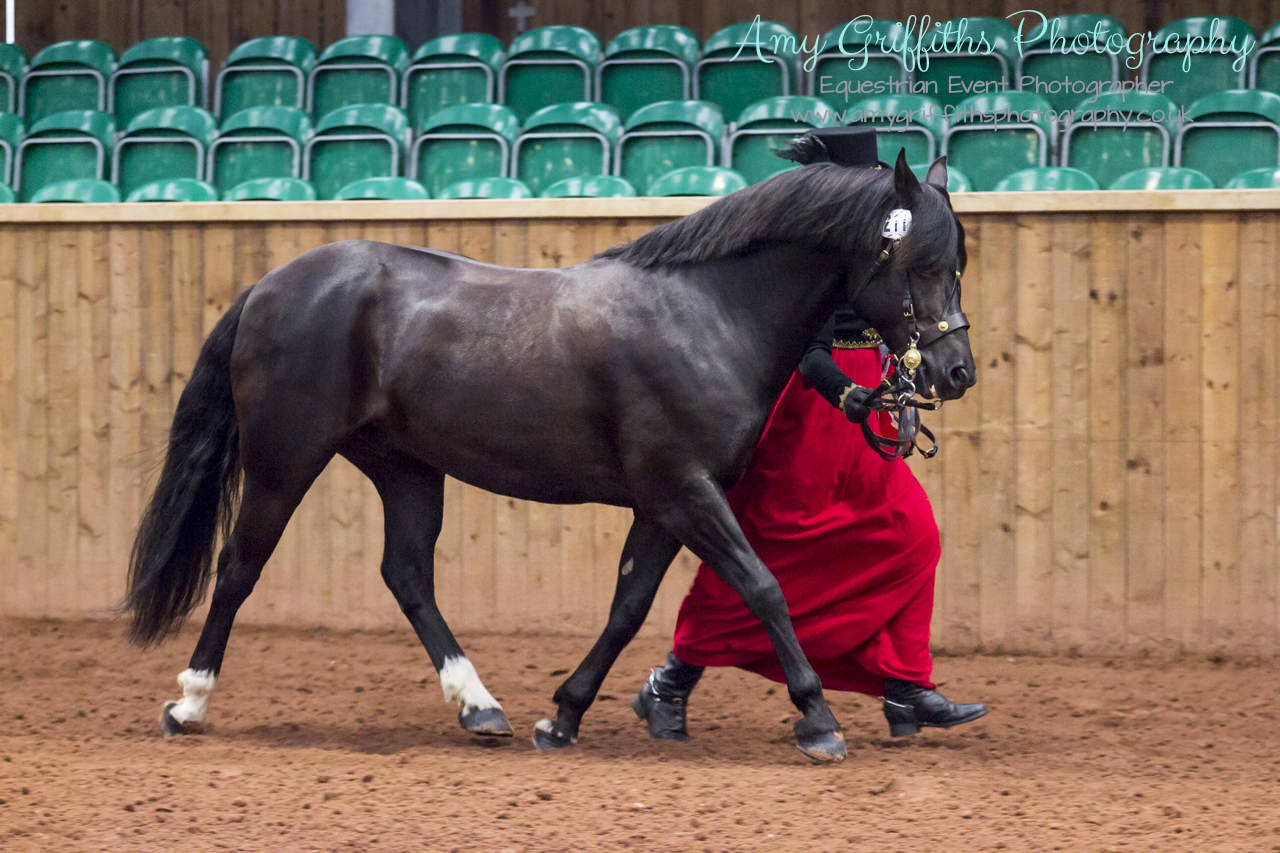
(778, 296)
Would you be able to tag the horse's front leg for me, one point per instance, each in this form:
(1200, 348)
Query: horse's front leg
(703, 520)
(647, 554)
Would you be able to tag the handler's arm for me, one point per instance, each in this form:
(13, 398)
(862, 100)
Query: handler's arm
(822, 373)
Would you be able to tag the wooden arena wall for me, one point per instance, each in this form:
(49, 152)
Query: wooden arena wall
(1109, 485)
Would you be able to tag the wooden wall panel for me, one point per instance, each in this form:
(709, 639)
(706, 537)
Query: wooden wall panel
(1111, 482)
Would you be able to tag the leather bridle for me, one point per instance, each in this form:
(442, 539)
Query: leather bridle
(897, 390)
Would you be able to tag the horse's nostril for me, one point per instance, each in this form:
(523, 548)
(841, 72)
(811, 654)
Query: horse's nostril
(960, 376)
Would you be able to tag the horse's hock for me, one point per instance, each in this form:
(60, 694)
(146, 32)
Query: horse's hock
(1109, 484)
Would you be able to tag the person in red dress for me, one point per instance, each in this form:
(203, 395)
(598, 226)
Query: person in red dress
(849, 535)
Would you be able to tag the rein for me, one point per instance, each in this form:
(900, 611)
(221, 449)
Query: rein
(897, 389)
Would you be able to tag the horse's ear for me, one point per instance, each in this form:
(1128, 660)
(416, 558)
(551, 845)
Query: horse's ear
(937, 175)
(904, 180)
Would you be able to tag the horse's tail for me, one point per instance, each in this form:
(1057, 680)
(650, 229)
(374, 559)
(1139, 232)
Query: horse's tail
(198, 490)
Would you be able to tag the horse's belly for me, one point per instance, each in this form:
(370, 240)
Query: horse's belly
(519, 459)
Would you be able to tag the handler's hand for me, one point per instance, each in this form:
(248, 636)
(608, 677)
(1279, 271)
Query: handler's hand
(854, 405)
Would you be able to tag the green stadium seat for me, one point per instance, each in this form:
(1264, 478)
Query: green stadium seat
(666, 136)
(6, 194)
(271, 71)
(258, 142)
(645, 65)
(1096, 140)
(486, 188)
(565, 140)
(68, 75)
(10, 137)
(1045, 70)
(1163, 178)
(986, 145)
(1046, 179)
(79, 190)
(547, 66)
(385, 188)
(913, 123)
(174, 189)
(463, 141)
(354, 142)
(1264, 63)
(165, 142)
(158, 72)
(1208, 71)
(357, 70)
(590, 186)
(1228, 132)
(874, 72)
(65, 145)
(768, 125)
(697, 180)
(271, 189)
(13, 64)
(1265, 178)
(957, 181)
(735, 84)
(451, 70)
(977, 69)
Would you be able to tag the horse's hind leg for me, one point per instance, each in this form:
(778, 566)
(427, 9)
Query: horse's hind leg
(705, 523)
(647, 554)
(264, 512)
(413, 506)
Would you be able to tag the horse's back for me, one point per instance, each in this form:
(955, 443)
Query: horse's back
(486, 372)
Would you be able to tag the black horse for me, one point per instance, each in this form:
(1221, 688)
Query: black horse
(641, 378)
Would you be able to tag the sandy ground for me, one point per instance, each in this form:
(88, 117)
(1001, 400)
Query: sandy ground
(322, 740)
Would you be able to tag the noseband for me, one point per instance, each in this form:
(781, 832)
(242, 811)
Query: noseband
(897, 389)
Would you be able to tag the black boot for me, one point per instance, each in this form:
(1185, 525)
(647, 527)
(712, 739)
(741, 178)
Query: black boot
(661, 701)
(909, 706)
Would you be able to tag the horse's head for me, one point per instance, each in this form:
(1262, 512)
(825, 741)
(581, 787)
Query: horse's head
(912, 295)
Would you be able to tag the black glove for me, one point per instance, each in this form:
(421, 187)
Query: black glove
(855, 406)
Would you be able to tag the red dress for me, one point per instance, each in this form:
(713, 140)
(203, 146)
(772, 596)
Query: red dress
(850, 537)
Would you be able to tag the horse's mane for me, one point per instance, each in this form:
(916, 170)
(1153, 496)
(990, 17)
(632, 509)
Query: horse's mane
(835, 207)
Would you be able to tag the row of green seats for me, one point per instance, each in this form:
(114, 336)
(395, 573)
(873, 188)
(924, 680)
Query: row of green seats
(640, 66)
(987, 138)
(692, 180)
(1060, 178)
(990, 136)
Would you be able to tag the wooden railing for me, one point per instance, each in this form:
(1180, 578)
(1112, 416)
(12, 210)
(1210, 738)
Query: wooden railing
(1110, 484)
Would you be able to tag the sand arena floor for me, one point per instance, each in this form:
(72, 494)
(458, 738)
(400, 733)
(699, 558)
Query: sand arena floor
(321, 740)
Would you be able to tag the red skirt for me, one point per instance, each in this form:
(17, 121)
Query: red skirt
(850, 537)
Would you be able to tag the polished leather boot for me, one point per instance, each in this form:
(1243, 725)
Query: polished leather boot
(661, 701)
(909, 706)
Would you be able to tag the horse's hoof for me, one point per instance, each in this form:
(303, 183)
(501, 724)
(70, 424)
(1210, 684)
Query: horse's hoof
(826, 748)
(170, 726)
(546, 736)
(490, 722)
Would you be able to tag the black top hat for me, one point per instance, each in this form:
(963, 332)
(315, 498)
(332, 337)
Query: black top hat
(848, 146)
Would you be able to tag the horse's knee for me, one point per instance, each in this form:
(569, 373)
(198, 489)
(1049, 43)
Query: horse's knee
(765, 600)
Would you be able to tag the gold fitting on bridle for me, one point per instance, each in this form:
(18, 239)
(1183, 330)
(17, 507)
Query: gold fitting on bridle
(943, 325)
